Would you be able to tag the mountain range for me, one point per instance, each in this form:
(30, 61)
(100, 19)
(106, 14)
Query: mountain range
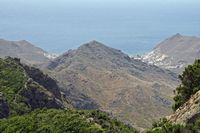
(129, 89)
(31, 101)
(95, 76)
(137, 91)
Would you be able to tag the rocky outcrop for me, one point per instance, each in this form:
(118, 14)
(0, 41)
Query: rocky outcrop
(189, 112)
(43, 79)
(25, 88)
(36, 96)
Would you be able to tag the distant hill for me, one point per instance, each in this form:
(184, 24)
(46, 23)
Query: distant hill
(24, 50)
(134, 91)
(175, 53)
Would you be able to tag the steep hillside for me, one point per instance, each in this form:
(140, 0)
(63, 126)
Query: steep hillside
(187, 99)
(24, 50)
(23, 89)
(189, 112)
(134, 91)
(175, 53)
(31, 101)
(186, 118)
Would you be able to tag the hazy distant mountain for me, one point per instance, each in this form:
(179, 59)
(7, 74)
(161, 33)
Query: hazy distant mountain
(25, 51)
(175, 52)
(132, 90)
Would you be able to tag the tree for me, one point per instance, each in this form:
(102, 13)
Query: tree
(190, 84)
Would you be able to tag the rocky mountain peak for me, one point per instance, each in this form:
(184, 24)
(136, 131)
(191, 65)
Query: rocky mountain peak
(23, 41)
(93, 52)
(97, 47)
(92, 44)
(177, 35)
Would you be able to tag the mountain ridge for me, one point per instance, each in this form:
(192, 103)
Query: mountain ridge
(27, 52)
(101, 72)
(174, 53)
(95, 76)
(31, 101)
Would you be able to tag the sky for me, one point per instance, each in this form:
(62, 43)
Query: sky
(134, 26)
(154, 6)
(146, 3)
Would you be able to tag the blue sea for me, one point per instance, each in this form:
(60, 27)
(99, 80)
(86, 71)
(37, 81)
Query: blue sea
(131, 26)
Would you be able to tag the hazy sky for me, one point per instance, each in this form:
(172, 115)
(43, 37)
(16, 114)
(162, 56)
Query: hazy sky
(47, 2)
(153, 7)
(103, 3)
(130, 25)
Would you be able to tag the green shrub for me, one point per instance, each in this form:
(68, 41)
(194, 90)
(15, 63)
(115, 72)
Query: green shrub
(12, 81)
(61, 121)
(164, 126)
(189, 84)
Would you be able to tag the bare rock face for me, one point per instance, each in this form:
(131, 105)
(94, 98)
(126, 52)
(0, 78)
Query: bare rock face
(175, 53)
(108, 79)
(40, 98)
(189, 112)
(24, 50)
(43, 79)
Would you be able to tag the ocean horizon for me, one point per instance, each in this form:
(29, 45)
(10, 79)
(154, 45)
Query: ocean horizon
(134, 28)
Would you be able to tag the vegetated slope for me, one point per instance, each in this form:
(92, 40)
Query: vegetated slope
(186, 118)
(134, 91)
(187, 100)
(30, 101)
(24, 50)
(189, 112)
(24, 88)
(175, 53)
(62, 121)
